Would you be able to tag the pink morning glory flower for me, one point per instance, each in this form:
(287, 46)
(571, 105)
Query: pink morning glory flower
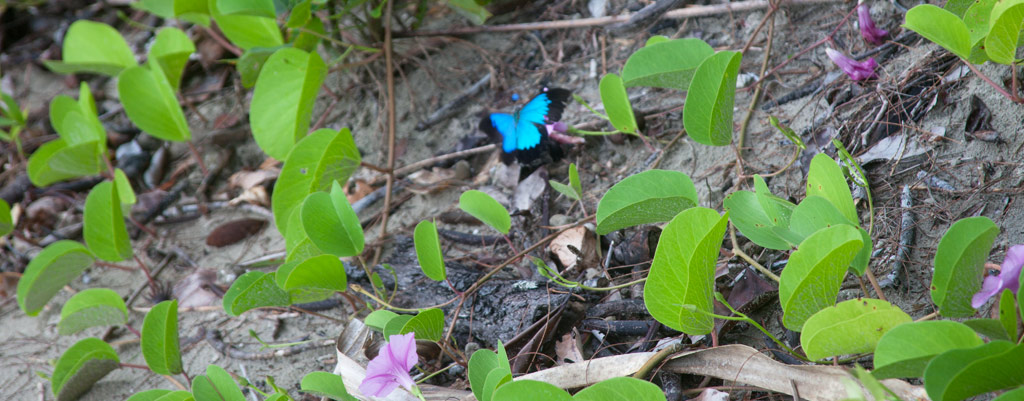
(868, 30)
(557, 130)
(390, 368)
(856, 70)
(1008, 278)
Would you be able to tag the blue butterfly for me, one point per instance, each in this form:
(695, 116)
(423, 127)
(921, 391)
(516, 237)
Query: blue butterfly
(522, 134)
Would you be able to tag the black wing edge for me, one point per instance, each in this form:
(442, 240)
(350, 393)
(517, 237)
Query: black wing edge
(558, 97)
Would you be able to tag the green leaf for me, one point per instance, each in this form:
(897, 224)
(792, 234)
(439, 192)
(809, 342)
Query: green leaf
(666, 63)
(428, 250)
(313, 279)
(325, 384)
(811, 279)
(787, 132)
(428, 324)
(282, 102)
(976, 18)
(6, 222)
(825, 179)
(103, 225)
(707, 114)
(323, 157)
(48, 272)
(125, 195)
(160, 339)
(80, 366)
(750, 218)
(1012, 395)
(252, 290)
(621, 389)
(379, 319)
(246, 31)
(331, 223)
(1008, 313)
(56, 161)
(171, 50)
(574, 190)
(481, 365)
(251, 63)
(90, 308)
(815, 213)
(962, 373)
(299, 14)
(194, 11)
(1004, 34)
(396, 325)
(616, 103)
(683, 270)
(905, 350)
(849, 327)
(150, 104)
(652, 196)
(960, 264)
(940, 26)
(471, 10)
(530, 390)
(77, 121)
(307, 38)
(216, 384)
(991, 328)
(486, 209)
(958, 7)
(259, 8)
(93, 47)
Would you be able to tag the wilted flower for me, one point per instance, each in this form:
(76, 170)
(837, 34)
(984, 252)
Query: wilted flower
(856, 70)
(868, 30)
(1008, 278)
(557, 130)
(390, 368)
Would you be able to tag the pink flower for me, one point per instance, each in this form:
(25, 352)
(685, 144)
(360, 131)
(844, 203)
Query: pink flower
(868, 30)
(390, 368)
(557, 130)
(1008, 278)
(856, 70)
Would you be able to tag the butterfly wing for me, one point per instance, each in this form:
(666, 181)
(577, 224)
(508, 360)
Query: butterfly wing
(523, 135)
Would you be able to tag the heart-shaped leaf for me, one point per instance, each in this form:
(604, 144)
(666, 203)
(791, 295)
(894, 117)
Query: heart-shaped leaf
(652, 196)
(960, 264)
(53, 268)
(325, 384)
(171, 50)
(90, 308)
(428, 250)
(811, 279)
(905, 350)
(282, 102)
(815, 213)
(331, 223)
(216, 384)
(93, 47)
(82, 365)
(1003, 37)
(683, 271)
(149, 101)
(962, 373)
(103, 225)
(849, 327)
(486, 209)
(252, 290)
(313, 279)
(379, 319)
(707, 114)
(428, 324)
(616, 103)
(488, 371)
(246, 31)
(159, 342)
(318, 160)
(666, 63)
(826, 179)
(54, 161)
(940, 26)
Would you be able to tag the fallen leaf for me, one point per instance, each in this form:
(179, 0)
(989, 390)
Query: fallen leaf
(234, 231)
(356, 190)
(248, 179)
(710, 394)
(578, 238)
(529, 190)
(567, 349)
(198, 289)
(256, 195)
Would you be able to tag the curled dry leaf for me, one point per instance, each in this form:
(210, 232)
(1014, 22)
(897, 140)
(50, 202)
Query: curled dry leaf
(562, 248)
(256, 195)
(356, 190)
(198, 289)
(234, 231)
(249, 179)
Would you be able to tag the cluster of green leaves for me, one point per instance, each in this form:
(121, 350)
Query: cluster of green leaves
(690, 65)
(490, 378)
(826, 241)
(12, 120)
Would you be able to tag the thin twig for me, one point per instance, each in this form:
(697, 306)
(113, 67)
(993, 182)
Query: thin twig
(390, 79)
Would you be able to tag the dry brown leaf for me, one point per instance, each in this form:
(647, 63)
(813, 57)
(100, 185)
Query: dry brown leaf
(356, 190)
(9, 283)
(567, 349)
(579, 238)
(234, 231)
(432, 176)
(249, 179)
(256, 195)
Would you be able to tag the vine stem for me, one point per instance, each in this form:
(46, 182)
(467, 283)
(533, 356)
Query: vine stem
(739, 252)
(1012, 96)
(390, 79)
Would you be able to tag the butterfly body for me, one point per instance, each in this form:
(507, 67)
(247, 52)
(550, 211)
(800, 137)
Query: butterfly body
(523, 134)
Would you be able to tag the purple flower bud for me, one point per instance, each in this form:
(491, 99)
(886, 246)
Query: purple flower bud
(856, 70)
(868, 30)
